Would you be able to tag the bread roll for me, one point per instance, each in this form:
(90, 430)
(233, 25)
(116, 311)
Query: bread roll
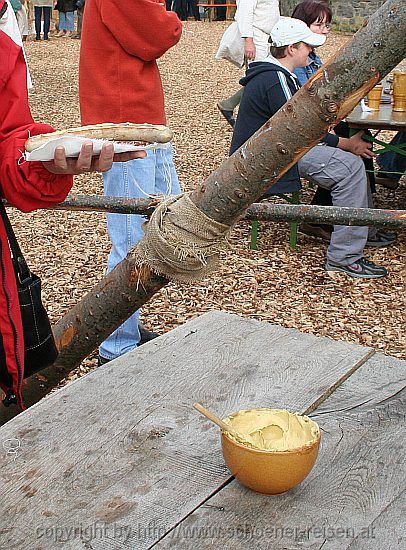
(142, 133)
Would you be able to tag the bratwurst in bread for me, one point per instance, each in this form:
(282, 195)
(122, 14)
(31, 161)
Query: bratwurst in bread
(139, 134)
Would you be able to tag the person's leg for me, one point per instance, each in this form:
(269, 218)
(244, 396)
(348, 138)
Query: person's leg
(181, 9)
(376, 237)
(37, 15)
(195, 9)
(221, 12)
(80, 20)
(322, 197)
(70, 22)
(392, 162)
(344, 174)
(343, 130)
(47, 21)
(62, 24)
(261, 44)
(231, 102)
(133, 179)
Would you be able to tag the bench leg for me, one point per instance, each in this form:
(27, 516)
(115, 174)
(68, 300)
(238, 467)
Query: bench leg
(254, 234)
(293, 225)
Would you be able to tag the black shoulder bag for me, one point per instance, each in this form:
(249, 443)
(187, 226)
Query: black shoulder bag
(39, 343)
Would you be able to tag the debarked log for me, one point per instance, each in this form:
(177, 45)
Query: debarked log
(225, 195)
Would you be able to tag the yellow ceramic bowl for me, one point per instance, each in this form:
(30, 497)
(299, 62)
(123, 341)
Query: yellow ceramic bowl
(269, 472)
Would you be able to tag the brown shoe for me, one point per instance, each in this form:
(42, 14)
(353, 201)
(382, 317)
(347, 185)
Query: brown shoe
(314, 230)
(387, 182)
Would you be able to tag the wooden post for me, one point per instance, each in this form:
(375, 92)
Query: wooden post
(325, 100)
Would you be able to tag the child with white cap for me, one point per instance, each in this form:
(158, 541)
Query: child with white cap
(269, 85)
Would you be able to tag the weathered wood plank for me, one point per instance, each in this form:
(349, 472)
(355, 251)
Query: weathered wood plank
(354, 496)
(381, 377)
(120, 456)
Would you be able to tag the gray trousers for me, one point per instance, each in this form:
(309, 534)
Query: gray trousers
(344, 175)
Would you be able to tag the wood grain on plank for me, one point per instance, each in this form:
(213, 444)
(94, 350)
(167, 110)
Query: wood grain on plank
(352, 498)
(122, 448)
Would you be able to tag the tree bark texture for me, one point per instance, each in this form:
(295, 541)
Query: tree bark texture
(326, 99)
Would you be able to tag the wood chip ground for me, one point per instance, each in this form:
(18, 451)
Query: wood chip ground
(275, 284)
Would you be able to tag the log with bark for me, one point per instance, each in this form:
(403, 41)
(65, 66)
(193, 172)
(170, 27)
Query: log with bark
(264, 211)
(225, 195)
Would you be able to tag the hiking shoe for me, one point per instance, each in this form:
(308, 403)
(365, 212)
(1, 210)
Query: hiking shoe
(362, 268)
(380, 239)
(228, 115)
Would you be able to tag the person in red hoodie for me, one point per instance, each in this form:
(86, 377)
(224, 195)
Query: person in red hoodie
(119, 81)
(27, 185)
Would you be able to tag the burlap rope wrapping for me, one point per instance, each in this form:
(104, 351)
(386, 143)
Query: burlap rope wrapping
(181, 243)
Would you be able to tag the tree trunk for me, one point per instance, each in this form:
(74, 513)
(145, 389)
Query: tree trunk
(325, 100)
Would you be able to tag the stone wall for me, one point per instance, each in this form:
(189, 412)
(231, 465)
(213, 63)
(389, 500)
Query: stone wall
(348, 14)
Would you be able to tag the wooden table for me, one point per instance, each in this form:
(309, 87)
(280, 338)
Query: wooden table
(120, 459)
(384, 119)
(210, 6)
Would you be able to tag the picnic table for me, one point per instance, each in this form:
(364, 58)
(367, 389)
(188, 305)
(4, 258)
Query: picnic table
(384, 119)
(120, 459)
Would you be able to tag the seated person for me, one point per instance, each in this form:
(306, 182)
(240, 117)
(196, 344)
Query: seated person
(392, 165)
(317, 16)
(334, 164)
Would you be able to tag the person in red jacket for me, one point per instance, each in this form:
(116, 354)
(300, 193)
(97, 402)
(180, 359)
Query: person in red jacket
(27, 185)
(119, 81)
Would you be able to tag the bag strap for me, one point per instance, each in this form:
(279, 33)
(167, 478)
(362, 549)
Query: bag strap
(20, 265)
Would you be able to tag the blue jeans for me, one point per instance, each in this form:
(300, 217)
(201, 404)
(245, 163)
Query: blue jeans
(66, 22)
(139, 178)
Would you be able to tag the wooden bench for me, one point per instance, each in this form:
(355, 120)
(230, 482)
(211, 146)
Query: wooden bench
(209, 7)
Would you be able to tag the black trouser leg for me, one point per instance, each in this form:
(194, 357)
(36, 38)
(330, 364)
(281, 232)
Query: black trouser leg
(47, 21)
(38, 17)
(195, 9)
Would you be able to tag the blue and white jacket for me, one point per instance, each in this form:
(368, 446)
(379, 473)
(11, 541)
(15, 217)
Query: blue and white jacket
(304, 73)
(267, 87)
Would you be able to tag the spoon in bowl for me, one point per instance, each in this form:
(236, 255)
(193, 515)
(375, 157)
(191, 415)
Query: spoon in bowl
(243, 439)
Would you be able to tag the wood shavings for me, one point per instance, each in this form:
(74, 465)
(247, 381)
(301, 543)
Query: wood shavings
(273, 284)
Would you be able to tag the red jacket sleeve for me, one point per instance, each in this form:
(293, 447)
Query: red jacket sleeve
(143, 28)
(27, 185)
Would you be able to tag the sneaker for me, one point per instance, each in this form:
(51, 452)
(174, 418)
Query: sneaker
(362, 268)
(228, 115)
(380, 239)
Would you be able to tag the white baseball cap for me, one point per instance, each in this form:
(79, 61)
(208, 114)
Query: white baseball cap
(290, 31)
